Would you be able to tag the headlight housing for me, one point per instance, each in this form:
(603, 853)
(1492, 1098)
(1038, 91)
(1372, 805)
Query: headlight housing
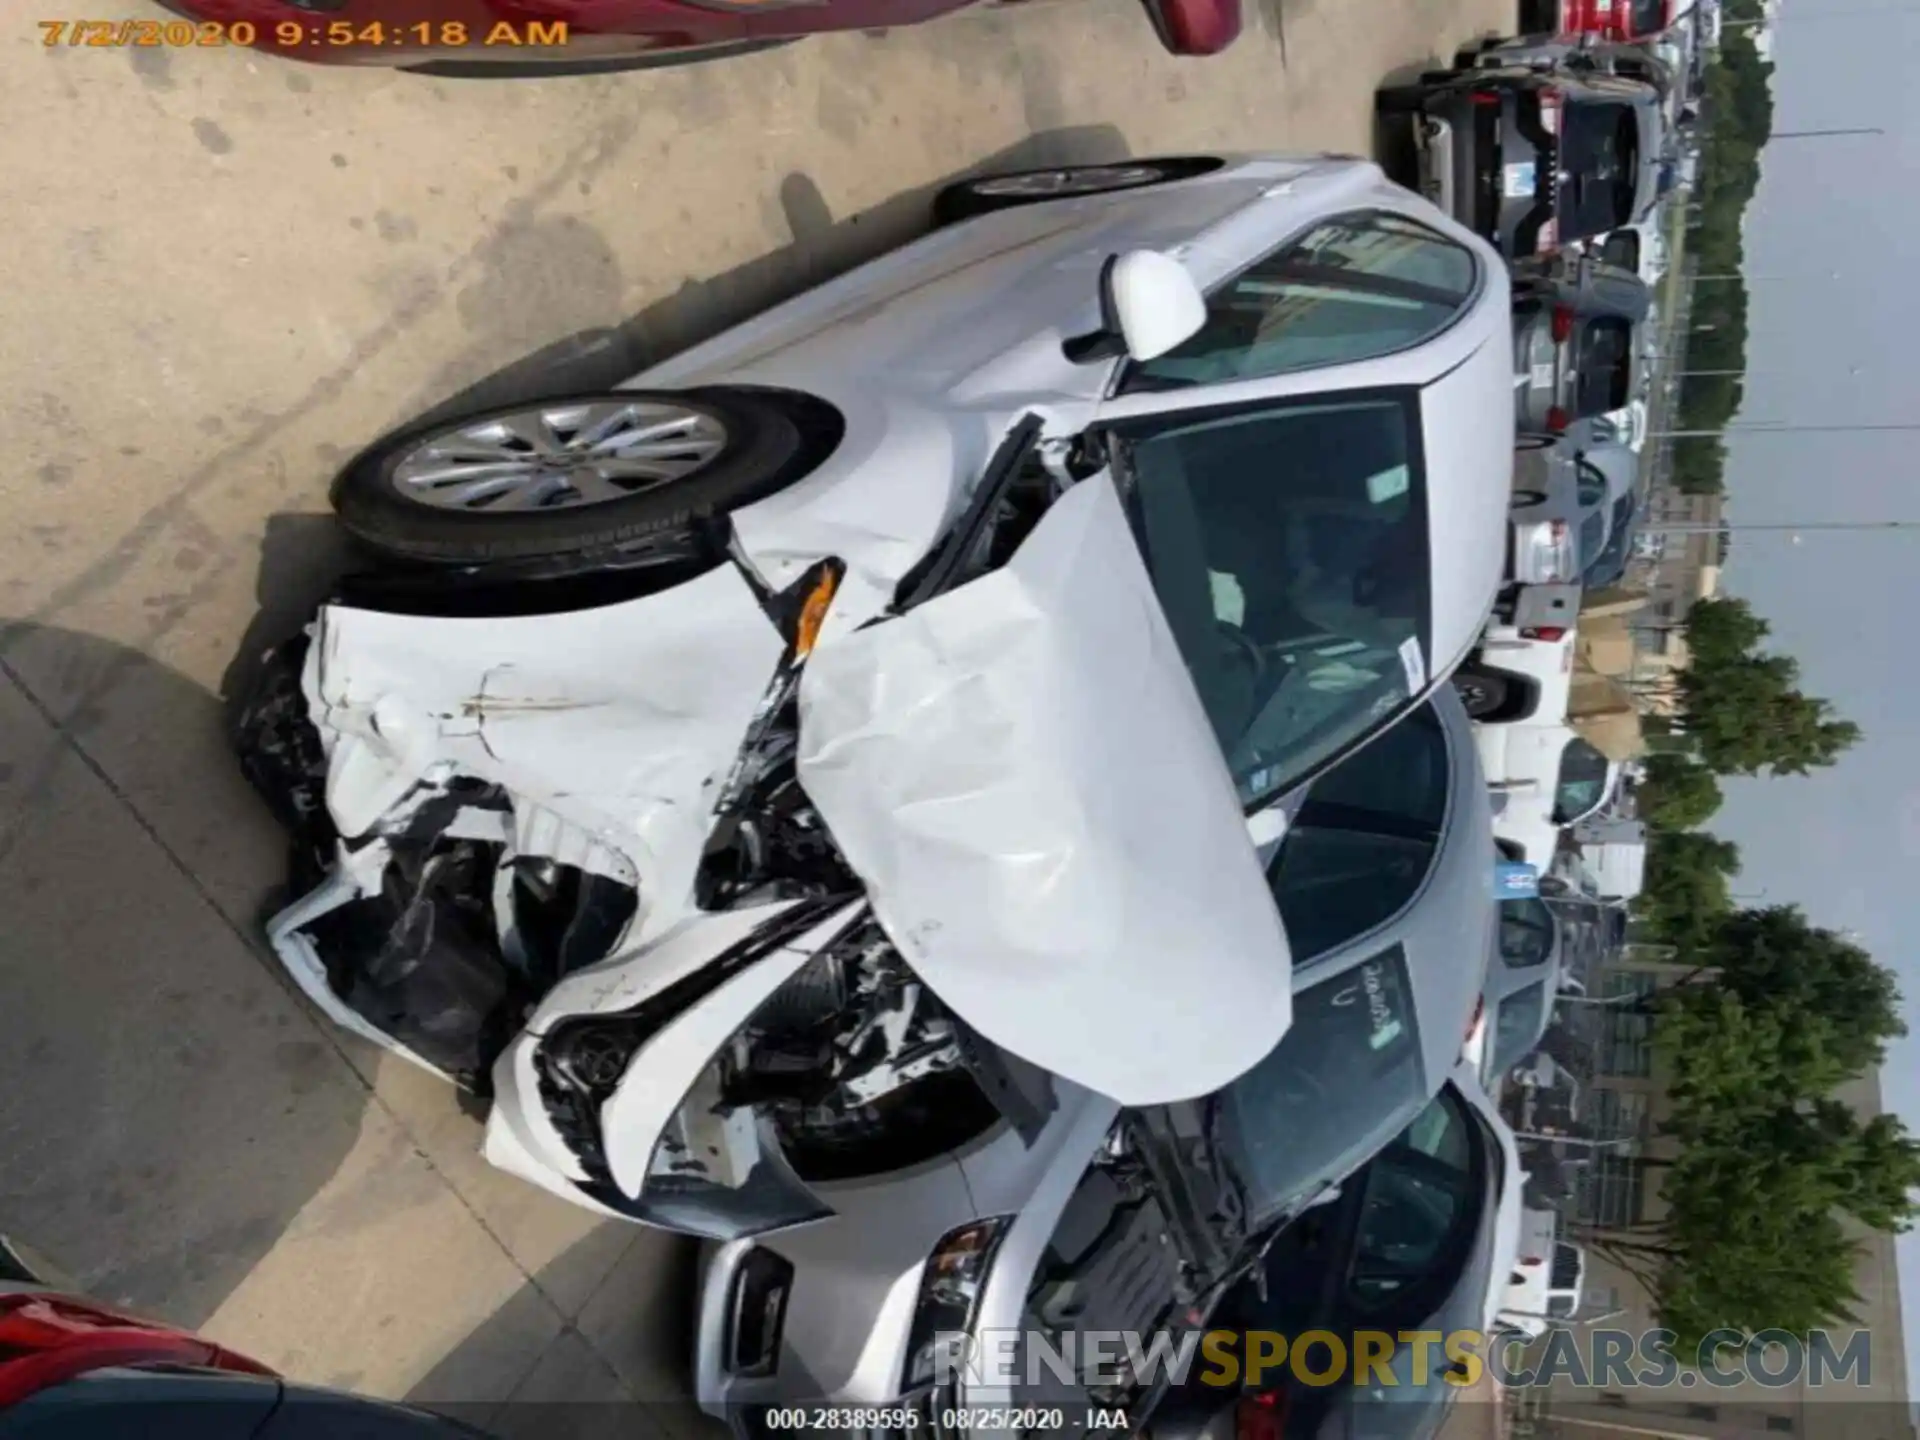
(950, 1289)
(581, 1063)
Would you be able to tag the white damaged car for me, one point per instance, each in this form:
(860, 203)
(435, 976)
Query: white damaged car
(746, 777)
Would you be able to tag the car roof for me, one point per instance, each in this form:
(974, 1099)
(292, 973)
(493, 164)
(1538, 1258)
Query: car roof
(1447, 928)
(1466, 420)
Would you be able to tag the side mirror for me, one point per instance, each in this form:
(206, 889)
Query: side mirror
(1149, 304)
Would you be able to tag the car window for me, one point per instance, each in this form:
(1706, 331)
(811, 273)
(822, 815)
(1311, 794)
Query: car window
(1517, 1026)
(1346, 1077)
(1361, 845)
(1622, 249)
(1351, 288)
(1593, 537)
(1605, 365)
(1649, 16)
(1526, 933)
(1599, 161)
(1582, 784)
(1416, 1193)
(1288, 547)
(1592, 485)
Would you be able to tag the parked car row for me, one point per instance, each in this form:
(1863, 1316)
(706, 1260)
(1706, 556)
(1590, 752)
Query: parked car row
(970, 791)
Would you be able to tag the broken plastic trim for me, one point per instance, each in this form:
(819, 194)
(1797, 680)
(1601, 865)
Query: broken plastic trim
(582, 1061)
(944, 566)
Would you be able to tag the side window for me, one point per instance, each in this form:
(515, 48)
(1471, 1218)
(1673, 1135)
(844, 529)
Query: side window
(1592, 485)
(1606, 365)
(1351, 288)
(1593, 537)
(1582, 784)
(1360, 847)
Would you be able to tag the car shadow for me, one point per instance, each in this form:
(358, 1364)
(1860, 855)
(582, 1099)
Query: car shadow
(585, 1366)
(167, 1106)
(621, 1367)
(822, 246)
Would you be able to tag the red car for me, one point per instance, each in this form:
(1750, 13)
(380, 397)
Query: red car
(1624, 20)
(532, 37)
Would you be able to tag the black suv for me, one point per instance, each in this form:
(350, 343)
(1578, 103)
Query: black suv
(1534, 157)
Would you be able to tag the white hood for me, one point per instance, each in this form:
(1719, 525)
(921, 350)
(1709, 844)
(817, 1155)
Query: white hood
(1023, 776)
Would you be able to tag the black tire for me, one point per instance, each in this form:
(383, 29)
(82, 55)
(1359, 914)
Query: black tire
(1483, 693)
(964, 199)
(601, 65)
(763, 450)
(1527, 499)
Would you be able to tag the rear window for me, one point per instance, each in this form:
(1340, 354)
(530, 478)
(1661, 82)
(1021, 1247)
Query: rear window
(1649, 16)
(1622, 249)
(1600, 156)
(1605, 366)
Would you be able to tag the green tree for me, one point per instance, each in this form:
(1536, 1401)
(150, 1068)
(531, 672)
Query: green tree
(1722, 628)
(1749, 717)
(1753, 1041)
(1686, 887)
(1678, 793)
(1773, 959)
(1744, 711)
(1699, 466)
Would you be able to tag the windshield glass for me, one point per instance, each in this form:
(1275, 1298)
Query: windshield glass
(1288, 545)
(1517, 1027)
(1347, 1076)
(1583, 782)
(1526, 933)
(1612, 561)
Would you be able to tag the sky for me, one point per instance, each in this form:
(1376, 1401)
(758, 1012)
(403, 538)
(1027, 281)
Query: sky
(1844, 843)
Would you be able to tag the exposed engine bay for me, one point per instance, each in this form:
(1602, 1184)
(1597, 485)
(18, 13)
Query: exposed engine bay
(1152, 1237)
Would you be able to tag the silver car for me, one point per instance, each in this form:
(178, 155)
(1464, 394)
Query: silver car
(1413, 1242)
(1071, 1213)
(1522, 981)
(1563, 494)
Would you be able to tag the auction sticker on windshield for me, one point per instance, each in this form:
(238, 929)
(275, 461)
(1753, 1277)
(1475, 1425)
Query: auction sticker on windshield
(1414, 663)
(1520, 180)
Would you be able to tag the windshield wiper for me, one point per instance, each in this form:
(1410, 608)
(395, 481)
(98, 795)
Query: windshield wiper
(1225, 1175)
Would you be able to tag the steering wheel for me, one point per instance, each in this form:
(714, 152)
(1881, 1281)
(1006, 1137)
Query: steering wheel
(1253, 654)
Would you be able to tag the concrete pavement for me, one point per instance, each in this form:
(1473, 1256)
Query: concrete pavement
(221, 275)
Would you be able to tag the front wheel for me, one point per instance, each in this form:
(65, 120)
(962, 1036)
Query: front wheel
(965, 199)
(551, 478)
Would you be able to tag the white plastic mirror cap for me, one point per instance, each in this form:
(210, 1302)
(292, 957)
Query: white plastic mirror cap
(1156, 303)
